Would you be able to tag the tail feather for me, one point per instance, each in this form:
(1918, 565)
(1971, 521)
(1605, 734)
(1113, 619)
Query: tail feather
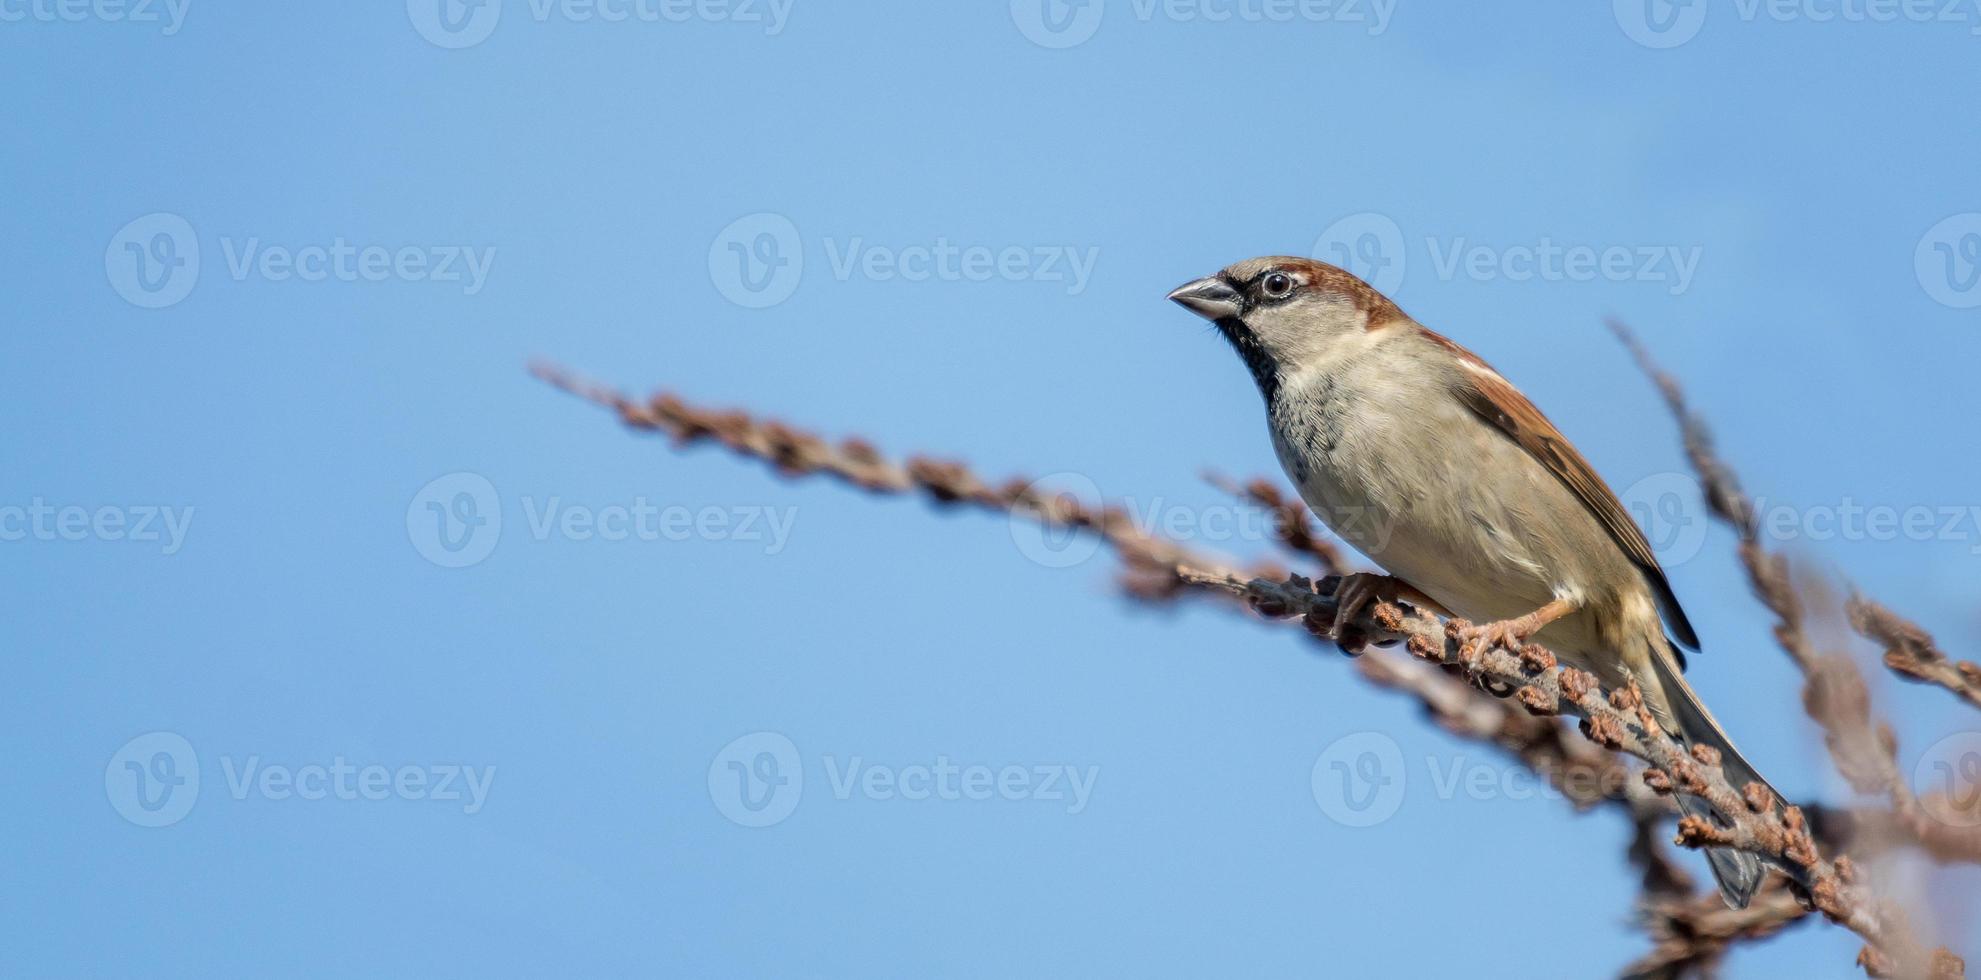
(1739, 873)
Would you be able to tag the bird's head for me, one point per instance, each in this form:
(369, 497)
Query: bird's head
(1283, 313)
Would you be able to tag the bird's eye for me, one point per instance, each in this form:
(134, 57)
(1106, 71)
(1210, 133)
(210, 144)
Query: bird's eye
(1278, 285)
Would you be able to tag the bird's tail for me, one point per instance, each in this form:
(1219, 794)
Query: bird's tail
(1739, 873)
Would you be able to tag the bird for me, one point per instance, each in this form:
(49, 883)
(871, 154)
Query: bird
(1426, 459)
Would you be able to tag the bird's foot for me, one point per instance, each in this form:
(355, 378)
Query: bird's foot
(1357, 590)
(1509, 634)
(1513, 633)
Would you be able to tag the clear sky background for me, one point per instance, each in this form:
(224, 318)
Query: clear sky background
(1794, 179)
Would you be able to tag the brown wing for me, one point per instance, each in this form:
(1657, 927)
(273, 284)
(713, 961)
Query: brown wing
(1497, 401)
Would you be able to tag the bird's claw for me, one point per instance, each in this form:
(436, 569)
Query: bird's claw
(1351, 596)
(1489, 635)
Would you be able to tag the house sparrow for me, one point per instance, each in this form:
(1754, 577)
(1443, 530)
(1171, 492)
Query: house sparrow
(1428, 461)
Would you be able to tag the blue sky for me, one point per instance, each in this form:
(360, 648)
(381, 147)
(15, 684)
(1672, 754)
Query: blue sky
(949, 228)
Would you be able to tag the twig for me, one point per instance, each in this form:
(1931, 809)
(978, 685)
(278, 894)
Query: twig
(1621, 722)
(1910, 651)
(1293, 526)
(1863, 748)
(1618, 721)
(1693, 934)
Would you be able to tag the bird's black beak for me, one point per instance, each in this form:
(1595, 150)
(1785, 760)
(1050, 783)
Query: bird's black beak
(1210, 297)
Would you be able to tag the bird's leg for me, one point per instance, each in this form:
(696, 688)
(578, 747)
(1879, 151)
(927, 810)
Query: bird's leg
(1358, 589)
(1514, 632)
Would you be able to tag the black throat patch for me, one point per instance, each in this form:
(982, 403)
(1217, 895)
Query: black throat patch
(1264, 369)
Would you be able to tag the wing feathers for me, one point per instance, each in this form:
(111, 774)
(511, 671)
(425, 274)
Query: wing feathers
(1494, 399)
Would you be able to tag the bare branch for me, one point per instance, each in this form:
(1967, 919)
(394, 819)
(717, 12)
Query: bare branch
(1620, 721)
(1293, 526)
(1693, 934)
(1910, 651)
(1863, 748)
(1617, 721)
